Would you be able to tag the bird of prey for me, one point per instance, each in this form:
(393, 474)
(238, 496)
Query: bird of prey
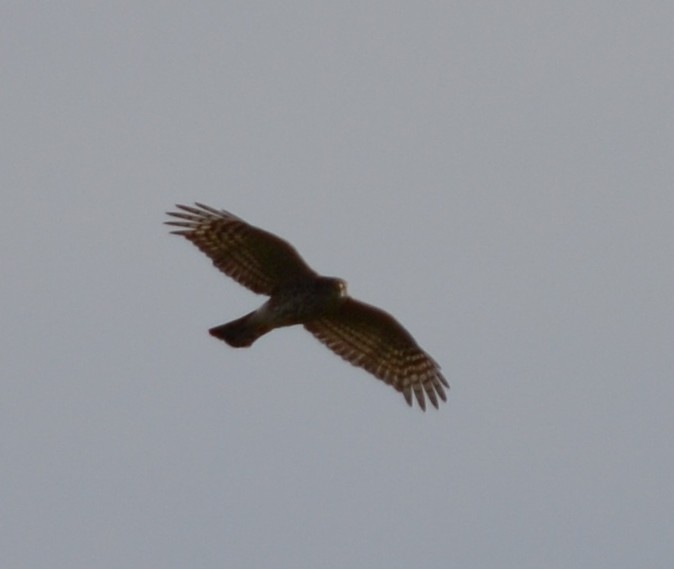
(362, 334)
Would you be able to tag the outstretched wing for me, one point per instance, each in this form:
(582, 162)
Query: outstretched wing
(372, 339)
(253, 257)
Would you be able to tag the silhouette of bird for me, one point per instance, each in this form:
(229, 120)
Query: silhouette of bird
(360, 333)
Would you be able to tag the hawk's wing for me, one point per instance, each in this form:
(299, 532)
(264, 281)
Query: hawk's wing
(372, 339)
(253, 257)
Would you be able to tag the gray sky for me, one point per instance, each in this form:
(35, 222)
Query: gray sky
(498, 175)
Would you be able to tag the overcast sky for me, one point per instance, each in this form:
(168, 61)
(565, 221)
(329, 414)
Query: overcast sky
(498, 175)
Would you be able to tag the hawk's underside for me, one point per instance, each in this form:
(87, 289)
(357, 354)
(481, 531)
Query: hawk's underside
(361, 334)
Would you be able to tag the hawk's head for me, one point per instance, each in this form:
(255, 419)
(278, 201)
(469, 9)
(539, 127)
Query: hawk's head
(331, 287)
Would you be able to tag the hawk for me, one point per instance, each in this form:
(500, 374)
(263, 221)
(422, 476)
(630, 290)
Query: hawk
(362, 334)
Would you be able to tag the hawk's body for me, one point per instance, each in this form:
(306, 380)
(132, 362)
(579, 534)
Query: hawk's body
(362, 334)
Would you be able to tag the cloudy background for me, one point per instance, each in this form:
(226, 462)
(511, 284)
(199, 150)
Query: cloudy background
(499, 175)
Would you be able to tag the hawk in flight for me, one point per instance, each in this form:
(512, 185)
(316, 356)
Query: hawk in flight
(266, 264)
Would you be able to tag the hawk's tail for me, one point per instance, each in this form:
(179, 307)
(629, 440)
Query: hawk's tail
(239, 333)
